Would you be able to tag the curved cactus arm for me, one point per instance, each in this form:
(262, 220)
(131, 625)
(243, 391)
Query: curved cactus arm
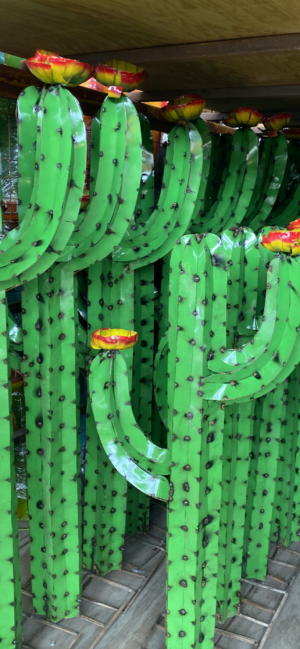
(10, 597)
(247, 187)
(247, 173)
(268, 372)
(145, 203)
(167, 195)
(289, 211)
(137, 441)
(255, 354)
(291, 360)
(168, 204)
(181, 226)
(55, 159)
(218, 170)
(62, 228)
(104, 414)
(187, 169)
(265, 147)
(111, 146)
(27, 106)
(265, 454)
(97, 246)
(238, 430)
(290, 179)
(273, 182)
(206, 139)
(227, 199)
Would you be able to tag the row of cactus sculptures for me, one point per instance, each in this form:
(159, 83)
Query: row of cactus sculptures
(212, 426)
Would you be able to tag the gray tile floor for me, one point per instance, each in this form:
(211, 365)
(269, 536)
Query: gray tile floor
(134, 603)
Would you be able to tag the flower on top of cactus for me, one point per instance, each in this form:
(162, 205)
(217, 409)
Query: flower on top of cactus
(93, 84)
(294, 225)
(185, 108)
(243, 117)
(113, 339)
(49, 67)
(277, 122)
(282, 241)
(114, 92)
(121, 74)
(291, 133)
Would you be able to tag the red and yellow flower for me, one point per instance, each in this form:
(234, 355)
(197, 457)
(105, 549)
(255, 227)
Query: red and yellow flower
(121, 74)
(282, 241)
(294, 225)
(291, 133)
(243, 117)
(113, 339)
(185, 108)
(49, 67)
(277, 122)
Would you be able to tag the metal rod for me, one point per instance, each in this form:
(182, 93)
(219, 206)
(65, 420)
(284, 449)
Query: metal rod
(282, 581)
(262, 608)
(90, 619)
(275, 590)
(109, 581)
(92, 601)
(282, 563)
(235, 636)
(280, 607)
(252, 619)
(54, 626)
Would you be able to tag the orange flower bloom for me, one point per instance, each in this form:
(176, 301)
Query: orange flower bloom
(277, 122)
(49, 67)
(291, 133)
(282, 241)
(119, 73)
(243, 117)
(185, 108)
(113, 339)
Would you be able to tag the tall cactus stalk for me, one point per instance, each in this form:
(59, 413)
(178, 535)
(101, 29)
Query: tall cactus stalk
(11, 597)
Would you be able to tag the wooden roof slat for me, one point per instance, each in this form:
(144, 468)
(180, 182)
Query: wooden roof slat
(198, 51)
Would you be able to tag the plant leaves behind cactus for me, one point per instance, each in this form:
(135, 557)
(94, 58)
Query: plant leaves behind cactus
(105, 418)
(11, 596)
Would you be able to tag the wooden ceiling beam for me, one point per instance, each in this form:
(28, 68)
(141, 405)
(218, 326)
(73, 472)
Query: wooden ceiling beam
(247, 92)
(198, 51)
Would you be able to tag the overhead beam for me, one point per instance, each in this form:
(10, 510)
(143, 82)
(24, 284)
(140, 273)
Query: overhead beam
(247, 92)
(282, 43)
